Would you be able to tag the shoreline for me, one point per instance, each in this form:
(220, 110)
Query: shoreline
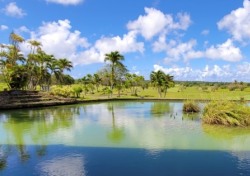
(71, 101)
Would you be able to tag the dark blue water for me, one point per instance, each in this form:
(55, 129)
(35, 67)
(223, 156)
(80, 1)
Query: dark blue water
(82, 161)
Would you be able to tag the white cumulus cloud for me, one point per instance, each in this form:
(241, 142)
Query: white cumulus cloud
(125, 44)
(13, 10)
(57, 38)
(225, 51)
(237, 23)
(155, 22)
(66, 2)
(3, 27)
(228, 73)
(176, 50)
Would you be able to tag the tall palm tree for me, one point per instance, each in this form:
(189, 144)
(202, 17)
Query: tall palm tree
(162, 81)
(65, 64)
(97, 81)
(60, 66)
(15, 39)
(35, 45)
(115, 59)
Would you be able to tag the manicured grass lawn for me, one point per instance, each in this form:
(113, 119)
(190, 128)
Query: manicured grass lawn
(191, 93)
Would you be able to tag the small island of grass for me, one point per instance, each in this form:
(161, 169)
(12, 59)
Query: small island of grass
(227, 113)
(190, 107)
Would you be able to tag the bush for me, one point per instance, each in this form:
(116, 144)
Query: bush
(190, 107)
(77, 90)
(64, 91)
(226, 113)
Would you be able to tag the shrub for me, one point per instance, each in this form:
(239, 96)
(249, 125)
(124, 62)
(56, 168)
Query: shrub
(190, 106)
(232, 87)
(77, 90)
(63, 91)
(226, 113)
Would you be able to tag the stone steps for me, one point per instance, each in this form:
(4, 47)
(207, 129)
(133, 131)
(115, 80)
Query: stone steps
(26, 99)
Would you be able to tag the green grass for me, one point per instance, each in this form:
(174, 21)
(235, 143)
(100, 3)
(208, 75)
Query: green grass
(194, 93)
(227, 113)
(189, 93)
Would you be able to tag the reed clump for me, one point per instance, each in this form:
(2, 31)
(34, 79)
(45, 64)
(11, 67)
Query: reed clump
(190, 107)
(227, 113)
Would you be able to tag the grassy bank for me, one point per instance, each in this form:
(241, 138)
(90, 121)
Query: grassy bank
(189, 93)
(227, 113)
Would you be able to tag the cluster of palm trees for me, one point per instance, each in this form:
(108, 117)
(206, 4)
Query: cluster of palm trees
(116, 76)
(161, 81)
(36, 69)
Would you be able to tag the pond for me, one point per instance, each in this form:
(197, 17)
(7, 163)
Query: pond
(119, 138)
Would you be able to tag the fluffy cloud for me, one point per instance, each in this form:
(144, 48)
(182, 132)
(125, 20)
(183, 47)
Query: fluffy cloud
(176, 51)
(237, 23)
(225, 51)
(58, 39)
(124, 45)
(156, 22)
(66, 2)
(13, 10)
(3, 27)
(209, 73)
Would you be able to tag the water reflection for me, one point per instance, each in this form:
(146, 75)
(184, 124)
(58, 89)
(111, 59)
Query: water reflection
(153, 127)
(161, 109)
(192, 116)
(4, 152)
(72, 165)
(150, 125)
(116, 134)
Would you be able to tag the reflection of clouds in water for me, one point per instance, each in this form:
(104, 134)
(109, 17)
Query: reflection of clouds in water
(153, 153)
(63, 166)
(140, 131)
(243, 160)
(3, 118)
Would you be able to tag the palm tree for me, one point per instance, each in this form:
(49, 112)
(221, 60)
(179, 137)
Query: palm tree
(35, 45)
(64, 64)
(115, 59)
(97, 81)
(162, 81)
(15, 39)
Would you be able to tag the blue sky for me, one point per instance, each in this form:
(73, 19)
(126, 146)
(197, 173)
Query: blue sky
(206, 40)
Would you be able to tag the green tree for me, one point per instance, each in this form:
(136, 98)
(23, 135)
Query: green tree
(133, 82)
(10, 57)
(161, 81)
(115, 59)
(97, 81)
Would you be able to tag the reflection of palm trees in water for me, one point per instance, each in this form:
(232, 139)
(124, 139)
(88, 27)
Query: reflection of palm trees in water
(117, 134)
(38, 124)
(4, 152)
(160, 109)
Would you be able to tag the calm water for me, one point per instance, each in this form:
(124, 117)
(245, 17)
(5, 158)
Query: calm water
(119, 138)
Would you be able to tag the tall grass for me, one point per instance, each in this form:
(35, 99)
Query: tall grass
(190, 106)
(226, 113)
